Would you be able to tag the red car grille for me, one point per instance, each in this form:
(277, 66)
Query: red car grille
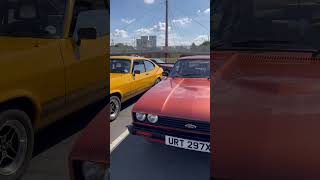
(183, 124)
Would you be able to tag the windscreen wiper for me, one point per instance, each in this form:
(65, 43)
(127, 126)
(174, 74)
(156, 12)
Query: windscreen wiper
(176, 76)
(190, 75)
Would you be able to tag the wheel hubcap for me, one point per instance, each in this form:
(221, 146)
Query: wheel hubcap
(114, 108)
(13, 146)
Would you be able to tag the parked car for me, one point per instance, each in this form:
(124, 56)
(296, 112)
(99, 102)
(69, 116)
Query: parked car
(129, 77)
(52, 63)
(90, 155)
(176, 112)
(266, 90)
(167, 67)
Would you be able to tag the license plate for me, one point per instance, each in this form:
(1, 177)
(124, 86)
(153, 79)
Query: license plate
(188, 144)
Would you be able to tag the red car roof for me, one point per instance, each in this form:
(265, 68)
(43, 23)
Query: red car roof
(196, 57)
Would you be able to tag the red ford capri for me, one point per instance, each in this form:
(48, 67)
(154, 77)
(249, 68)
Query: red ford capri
(176, 112)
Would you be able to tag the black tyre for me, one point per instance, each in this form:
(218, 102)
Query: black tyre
(115, 107)
(16, 143)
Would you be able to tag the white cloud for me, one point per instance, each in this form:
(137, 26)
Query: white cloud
(148, 1)
(144, 31)
(162, 26)
(200, 39)
(182, 21)
(159, 31)
(120, 33)
(174, 40)
(207, 11)
(154, 30)
(128, 21)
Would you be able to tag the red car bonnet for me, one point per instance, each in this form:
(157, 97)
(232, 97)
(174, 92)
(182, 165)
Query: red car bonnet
(265, 120)
(186, 98)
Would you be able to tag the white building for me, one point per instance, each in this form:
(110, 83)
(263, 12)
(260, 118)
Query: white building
(153, 41)
(146, 42)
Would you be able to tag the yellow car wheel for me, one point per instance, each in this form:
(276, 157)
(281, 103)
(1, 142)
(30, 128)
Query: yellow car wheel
(16, 143)
(115, 107)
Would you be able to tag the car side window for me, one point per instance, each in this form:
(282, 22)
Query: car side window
(139, 66)
(32, 18)
(90, 14)
(149, 66)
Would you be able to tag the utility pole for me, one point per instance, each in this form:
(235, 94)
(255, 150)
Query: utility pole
(166, 39)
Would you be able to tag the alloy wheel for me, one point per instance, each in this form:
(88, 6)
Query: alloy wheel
(13, 146)
(114, 108)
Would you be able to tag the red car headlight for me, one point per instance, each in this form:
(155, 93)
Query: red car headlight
(94, 171)
(152, 118)
(140, 116)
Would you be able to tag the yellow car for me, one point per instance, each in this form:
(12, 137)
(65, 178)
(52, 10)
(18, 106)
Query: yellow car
(52, 63)
(130, 76)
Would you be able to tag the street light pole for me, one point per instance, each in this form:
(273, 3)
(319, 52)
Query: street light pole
(166, 38)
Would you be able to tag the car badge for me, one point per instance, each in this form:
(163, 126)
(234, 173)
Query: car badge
(190, 126)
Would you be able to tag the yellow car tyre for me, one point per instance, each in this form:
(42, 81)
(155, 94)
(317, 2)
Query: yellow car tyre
(16, 143)
(115, 107)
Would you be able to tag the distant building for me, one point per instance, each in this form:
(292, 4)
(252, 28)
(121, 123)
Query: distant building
(146, 42)
(153, 42)
(139, 44)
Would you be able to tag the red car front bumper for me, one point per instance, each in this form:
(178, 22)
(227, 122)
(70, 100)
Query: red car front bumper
(157, 134)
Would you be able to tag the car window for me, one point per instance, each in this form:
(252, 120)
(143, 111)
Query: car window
(149, 66)
(120, 66)
(139, 65)
(191, 69)
(290, 24)
(158, 61)
(32, 18)
(90, 13)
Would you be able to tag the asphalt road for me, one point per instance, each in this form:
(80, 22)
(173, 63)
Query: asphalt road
(136, 159)
(53, 144)
(118, 126)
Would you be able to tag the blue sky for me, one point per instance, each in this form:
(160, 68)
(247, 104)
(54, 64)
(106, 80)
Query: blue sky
(189, 20)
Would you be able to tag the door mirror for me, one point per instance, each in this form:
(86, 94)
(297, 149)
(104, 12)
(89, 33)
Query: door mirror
(91, 25)
(136, 72)
(86, 33)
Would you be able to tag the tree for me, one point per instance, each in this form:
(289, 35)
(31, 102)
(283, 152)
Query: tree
(205, 43)
(193, 47)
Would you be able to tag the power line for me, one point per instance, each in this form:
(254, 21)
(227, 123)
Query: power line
(174, 28)
(177, 27)
(203, 26)
(138, 19)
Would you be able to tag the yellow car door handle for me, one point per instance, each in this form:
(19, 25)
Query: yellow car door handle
(147, 74)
